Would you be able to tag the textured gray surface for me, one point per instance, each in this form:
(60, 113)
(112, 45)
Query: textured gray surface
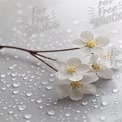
(27, 87)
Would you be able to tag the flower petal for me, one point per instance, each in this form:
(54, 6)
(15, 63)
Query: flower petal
(94, 59)
(79, 43)
(97, 50)
(63, 90)
(75, 94)
(102, 41)
(73, 61)
(66, 81)
(82, 68)
(62, 74)
(59, 65)
(89, 89)
(89, 78)
(86, 36)
(106, 73)
(85, 51)
(75, 76)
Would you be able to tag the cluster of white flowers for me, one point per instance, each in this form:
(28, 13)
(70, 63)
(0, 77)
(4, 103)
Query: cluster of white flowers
(75, 77)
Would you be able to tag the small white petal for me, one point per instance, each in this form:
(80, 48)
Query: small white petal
(66, 81)
(59, 65)
(106, 73)
(89, 78)
(79, 43)
(97, 50)
(102, 41)
(86, 36)
(61, 74)
(94, 59)
(73, 61)
(89, 89)
(63, 90)
(82, 68)
(75, 76)
(75, 94)
(85, 51)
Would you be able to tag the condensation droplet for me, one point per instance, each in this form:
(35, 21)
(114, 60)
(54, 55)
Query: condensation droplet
(16, 84)
(104, 103)
(115, 90)
(49, 87)
(22, 107)
(84, 103)
(102, 118)
(67, 114)
(28, 116)
(51, 113)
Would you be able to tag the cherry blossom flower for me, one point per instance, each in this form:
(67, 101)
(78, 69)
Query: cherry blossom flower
(76, 89)
(109, 58)
(88, 45)
(99, 67)
(72, 69)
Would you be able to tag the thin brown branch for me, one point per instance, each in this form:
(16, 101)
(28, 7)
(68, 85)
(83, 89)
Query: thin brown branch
(43, 62)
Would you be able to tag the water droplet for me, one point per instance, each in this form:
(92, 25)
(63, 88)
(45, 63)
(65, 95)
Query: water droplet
(49, 87)
(40, 107)
(115, 90)
(15, 92)
(39, 101)
(104, 103)
(102, 118)
(84, 103)
(2, 75)
(22, 107)
(16, 84)
(28, 116)
(29, 94)
(67, 114)
(51, 113)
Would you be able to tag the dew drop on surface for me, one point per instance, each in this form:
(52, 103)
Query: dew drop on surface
(115, 90)
(78, 111)
(39, 101)
(102, 118)
(16, 84)
(67, 114)
(15, 92)
(51, 113)
(105, 103)
(2, 75)
(84, 103)
(27, 116)
(40, 107)
(29, 94)
(22, 107)
(49, 87)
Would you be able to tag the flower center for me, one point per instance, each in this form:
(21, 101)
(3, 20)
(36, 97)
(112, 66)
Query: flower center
(107, 55)
(71, 69)
(76, 84)
(90, 44)
(96, 67)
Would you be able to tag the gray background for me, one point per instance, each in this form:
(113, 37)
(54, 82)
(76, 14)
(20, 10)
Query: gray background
(27, 87)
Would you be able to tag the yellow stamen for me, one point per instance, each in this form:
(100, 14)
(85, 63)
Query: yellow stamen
(71, 69)
(90, 44)
(96, 67)
(107, 55)
(76, 84)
